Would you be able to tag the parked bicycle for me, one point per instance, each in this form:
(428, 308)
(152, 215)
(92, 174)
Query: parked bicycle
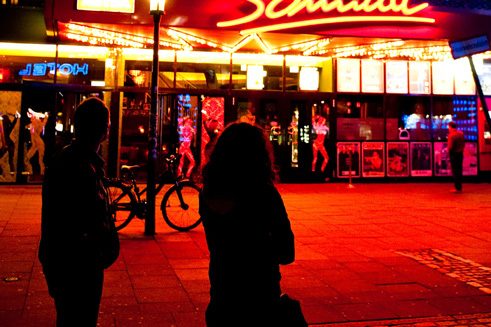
(179, 204)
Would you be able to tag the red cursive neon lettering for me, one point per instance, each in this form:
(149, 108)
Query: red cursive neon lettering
(274, 10)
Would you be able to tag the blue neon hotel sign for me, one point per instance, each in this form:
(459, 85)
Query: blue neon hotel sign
(42, 69)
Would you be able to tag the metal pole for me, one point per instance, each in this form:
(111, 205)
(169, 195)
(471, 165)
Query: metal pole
(480, 92)
(152, 131)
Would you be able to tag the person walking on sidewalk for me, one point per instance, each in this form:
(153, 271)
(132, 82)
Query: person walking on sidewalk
(78, 238)
(456, 144)
(247, 229)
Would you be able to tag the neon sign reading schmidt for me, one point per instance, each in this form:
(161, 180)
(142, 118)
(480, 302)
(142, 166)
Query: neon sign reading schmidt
(369, 10)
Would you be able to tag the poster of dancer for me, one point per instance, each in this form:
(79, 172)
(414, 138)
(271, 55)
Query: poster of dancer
(442, 159)
(373, 159)
(348, 156)
(212, 121)
(470, 159)
(421, 159)
(397, 159)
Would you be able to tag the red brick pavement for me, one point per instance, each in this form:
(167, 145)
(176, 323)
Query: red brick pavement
(348, 272)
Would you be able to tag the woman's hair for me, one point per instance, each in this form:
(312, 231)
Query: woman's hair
(91, 120)
(242, 158)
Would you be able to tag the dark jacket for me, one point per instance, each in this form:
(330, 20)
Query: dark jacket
(248, 236)
(456, 142)
(74, 211)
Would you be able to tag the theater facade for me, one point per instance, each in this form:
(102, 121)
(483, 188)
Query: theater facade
(360, 89)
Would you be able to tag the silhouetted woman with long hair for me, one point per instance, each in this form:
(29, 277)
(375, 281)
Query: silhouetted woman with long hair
(247, 229)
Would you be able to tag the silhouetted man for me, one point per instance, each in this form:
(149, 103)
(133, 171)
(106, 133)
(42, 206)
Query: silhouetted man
(78, 239)
(456, 144)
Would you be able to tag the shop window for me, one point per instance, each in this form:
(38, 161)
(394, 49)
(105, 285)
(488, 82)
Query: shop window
(139, 74)
(212, 124)
(10, 102)
(202, 76)
(360, 118)
(408, 118)
(258, 72)
(202, 70)
(187, 122)
(461, 109)
(320, 136)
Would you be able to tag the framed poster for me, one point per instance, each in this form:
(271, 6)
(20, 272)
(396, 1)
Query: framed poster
(442, 159)
(442, 77)
(419, 77)
(470, 159)
(485, 78)
(373, 159)
(212, 124)
(348, 75)
(348, 155)
(397, 159)
(464, 84)
(372, 76)
(396, 77)
(421, 159)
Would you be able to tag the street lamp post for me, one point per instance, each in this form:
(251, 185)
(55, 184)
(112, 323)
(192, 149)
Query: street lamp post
(156, 10)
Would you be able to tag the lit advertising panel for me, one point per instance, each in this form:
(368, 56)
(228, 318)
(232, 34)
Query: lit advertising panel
(397, 159)
(442, 77)
(348, 75)
(348, 159)
(421, 159)
(373, 159)
(396, 77)
(485, 78)
(419, 77)
(372, 76)
(124, 6)
(309, 79)
(464, 81)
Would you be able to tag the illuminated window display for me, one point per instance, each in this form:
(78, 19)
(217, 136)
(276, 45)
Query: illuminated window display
(187, 109)
(442, 73)
(411, 114)
(10, 102)
(485, 76)
(320, 131)
(348, 75)
(372, 76)
(464, 82)
(213, 123)
(419, 77)
(396, 77)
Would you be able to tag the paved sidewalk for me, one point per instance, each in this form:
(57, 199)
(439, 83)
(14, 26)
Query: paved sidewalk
(376, 255)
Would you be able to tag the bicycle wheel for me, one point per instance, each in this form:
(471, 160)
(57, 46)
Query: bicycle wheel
(182, 216)
(122, 201)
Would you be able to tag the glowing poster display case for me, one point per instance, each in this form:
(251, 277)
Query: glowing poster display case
(372, 76)
(421, 159)
(464, 84)
(348, 75)
(397, 159)
(309, 79)
(348, 155)
(373, 159)
(419, 77)
(396, 77)
(442, 77)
